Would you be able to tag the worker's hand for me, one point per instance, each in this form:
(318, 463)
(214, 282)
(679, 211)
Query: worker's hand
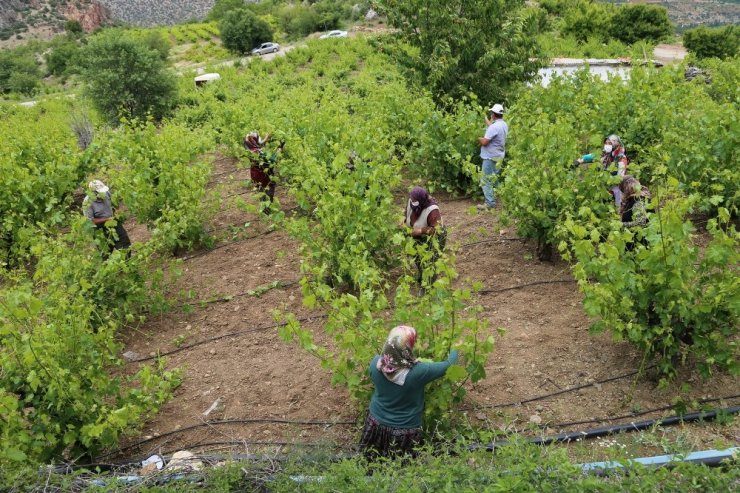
(488, 121)
(417, 232)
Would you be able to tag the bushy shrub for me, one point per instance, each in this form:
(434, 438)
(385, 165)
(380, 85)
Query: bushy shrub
(19, 72)
(641, 22)
(713, 42)
(126, 78)
(241, 30)
(62, 58)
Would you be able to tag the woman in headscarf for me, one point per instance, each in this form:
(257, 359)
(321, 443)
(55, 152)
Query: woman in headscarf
(425, 219)
(261, 170)
(393, 424)
(633, 209)
(98, 208)
(612, 155)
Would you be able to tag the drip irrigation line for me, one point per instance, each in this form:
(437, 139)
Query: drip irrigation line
(566, 390)
(520, 286)
(611, 430)
(205, 252)
(228, 422)
(493, 240)
(224, 336)
(635, 414)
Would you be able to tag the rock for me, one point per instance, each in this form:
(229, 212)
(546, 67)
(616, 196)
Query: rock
(184, 460)
(538, 374)
(539, 408)
(130, 355)
(148, 469)
(212, 351)
(371, 15)
(598, 386)
(152, 354)
(534, 419)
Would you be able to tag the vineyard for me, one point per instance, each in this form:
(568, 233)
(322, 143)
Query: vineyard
(267, 314)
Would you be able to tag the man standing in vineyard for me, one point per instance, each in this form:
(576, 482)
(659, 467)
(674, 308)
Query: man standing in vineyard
(99, 209)
(492, 152)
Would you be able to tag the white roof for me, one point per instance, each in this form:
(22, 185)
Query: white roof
(207, 77)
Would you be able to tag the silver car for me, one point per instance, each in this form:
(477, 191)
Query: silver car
(265, 48)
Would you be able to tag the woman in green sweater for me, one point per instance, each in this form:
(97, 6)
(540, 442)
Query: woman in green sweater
(393, 424)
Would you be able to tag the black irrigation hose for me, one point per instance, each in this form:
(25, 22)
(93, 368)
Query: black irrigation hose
(565, 391)
(635, 414)
(520, 286)
(228, 422)
(223, 336)
(611, 430)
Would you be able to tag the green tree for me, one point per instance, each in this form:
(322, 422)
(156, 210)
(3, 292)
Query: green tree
(222, 7)
(713, 42)
(299, 20)
(73, 27)
(61, 59)
(157, 42)
(634, 23)
(19, 72)
(127, 78)
(468, 45)
(241, 30)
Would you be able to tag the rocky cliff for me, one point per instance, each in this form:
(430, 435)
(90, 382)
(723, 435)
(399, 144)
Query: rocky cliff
(157, 12)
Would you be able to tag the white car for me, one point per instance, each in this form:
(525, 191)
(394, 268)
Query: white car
(265, 48)
(334, 34)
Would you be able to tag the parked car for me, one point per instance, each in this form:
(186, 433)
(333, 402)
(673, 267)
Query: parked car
(334, 34)
(265, 48)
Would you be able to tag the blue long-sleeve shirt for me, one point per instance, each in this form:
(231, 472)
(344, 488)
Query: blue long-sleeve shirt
(401, 406)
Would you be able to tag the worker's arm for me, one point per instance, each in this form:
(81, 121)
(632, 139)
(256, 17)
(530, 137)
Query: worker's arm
(101, 220)
(432, 371)
(491, 132)
(586, 158)
(432, 220)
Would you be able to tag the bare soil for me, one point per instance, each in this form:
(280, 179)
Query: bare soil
(546, 347)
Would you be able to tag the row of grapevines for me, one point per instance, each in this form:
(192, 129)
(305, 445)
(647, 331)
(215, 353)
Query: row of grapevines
(62, 393)
(653, 287)
(328, 102)
(41, 167)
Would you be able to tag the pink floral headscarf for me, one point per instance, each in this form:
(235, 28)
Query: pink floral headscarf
(398, 354)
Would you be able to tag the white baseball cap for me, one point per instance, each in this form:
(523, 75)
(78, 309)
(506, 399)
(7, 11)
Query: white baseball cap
(98, 186)
(498, 109)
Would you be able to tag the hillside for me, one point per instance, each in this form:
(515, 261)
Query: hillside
(157, 12)
(27, 19)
